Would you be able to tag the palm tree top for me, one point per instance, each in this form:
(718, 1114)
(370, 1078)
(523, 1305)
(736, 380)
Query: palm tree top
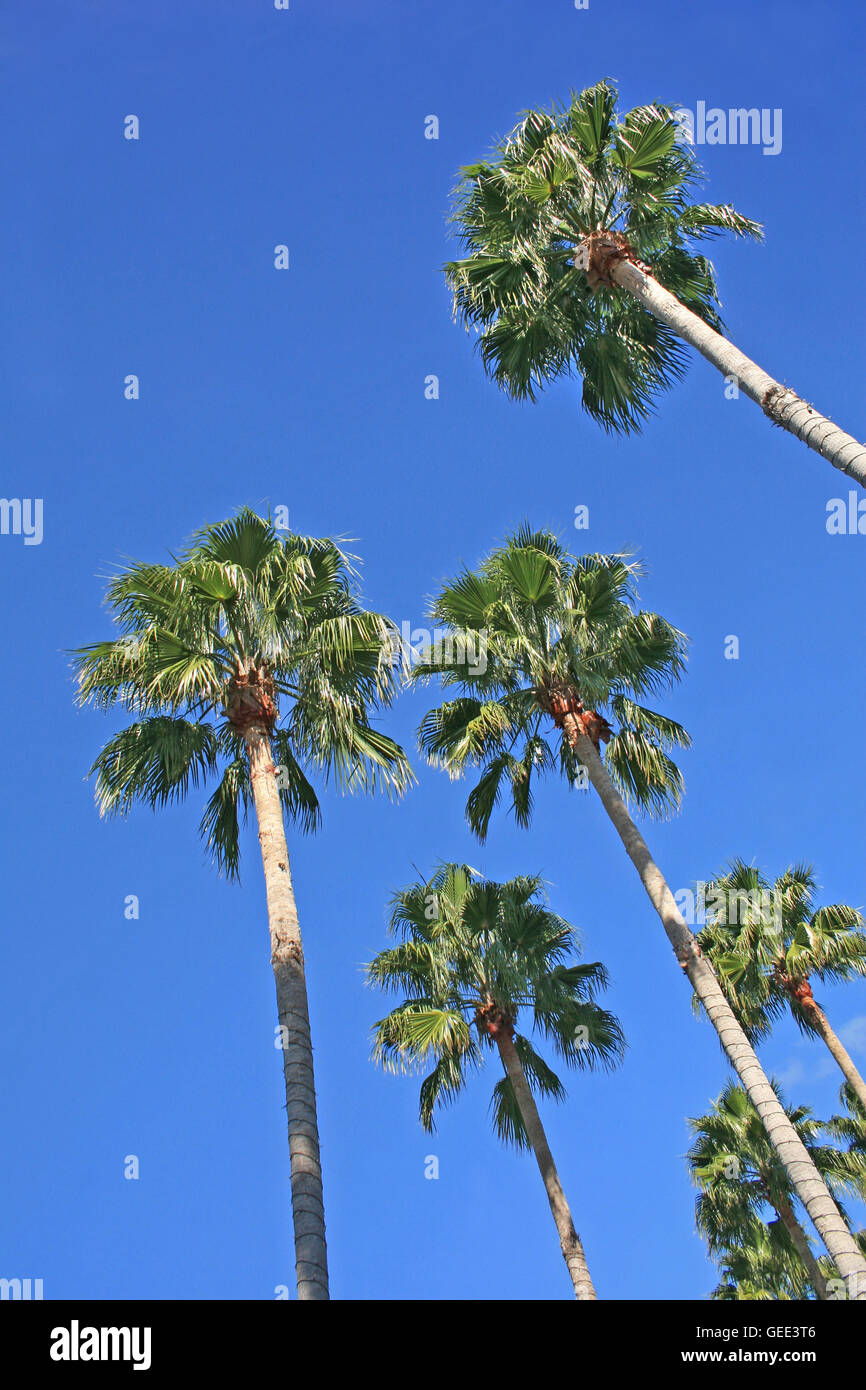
(240, 595)
(580, 175)
(558, 634)
(766, 939)
(246, 626)
(476, 958)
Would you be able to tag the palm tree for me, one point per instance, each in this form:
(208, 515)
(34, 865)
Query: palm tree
(740, 1176)
(579, 233)
(562, 641)
(249, 661)
(474, 953)
(765, 943)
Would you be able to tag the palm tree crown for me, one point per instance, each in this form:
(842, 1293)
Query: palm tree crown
(580, 176)
(765, 941)
(475, 957)
(244, 627)
(560, 635)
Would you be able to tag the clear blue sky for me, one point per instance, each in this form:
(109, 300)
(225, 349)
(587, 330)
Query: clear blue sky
(306, 388)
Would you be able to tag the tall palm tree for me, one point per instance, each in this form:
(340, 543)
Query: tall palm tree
(765, 942)
(473, 954)
(740, 1176)
(579, 233)
(562, 642)
(248, 661)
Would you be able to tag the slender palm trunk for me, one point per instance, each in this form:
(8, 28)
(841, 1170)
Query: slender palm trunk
(569, 1240)
(837, 1049)
(287, 958)
(805, 1178)
(803, 1248)
(784, 407)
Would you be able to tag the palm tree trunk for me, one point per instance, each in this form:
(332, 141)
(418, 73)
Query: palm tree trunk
(569, 1240)
(803, 1248)
(784, 407)
(287, 958)
(807, 1181)
(839, 1052)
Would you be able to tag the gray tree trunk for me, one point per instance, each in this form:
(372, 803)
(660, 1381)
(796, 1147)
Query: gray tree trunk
(805, 1178)
(569, 1240)
(783, 407)
(838, 1051)
(287, 958)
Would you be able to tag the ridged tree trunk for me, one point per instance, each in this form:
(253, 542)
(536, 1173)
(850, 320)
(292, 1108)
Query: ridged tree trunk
(287, 958)
(803, 1248)
(782, 406)
(837, 1049)
(805, 1178)
(569, 1240)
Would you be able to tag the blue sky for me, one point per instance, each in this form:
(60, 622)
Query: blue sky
(306, 388)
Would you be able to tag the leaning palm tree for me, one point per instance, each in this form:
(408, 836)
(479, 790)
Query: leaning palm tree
(473, 954)
(740, 1177)
(544, 647)
(579, 235)
(248, 661)
(765, 942)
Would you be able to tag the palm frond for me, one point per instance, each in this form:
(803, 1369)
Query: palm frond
(153, 761)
